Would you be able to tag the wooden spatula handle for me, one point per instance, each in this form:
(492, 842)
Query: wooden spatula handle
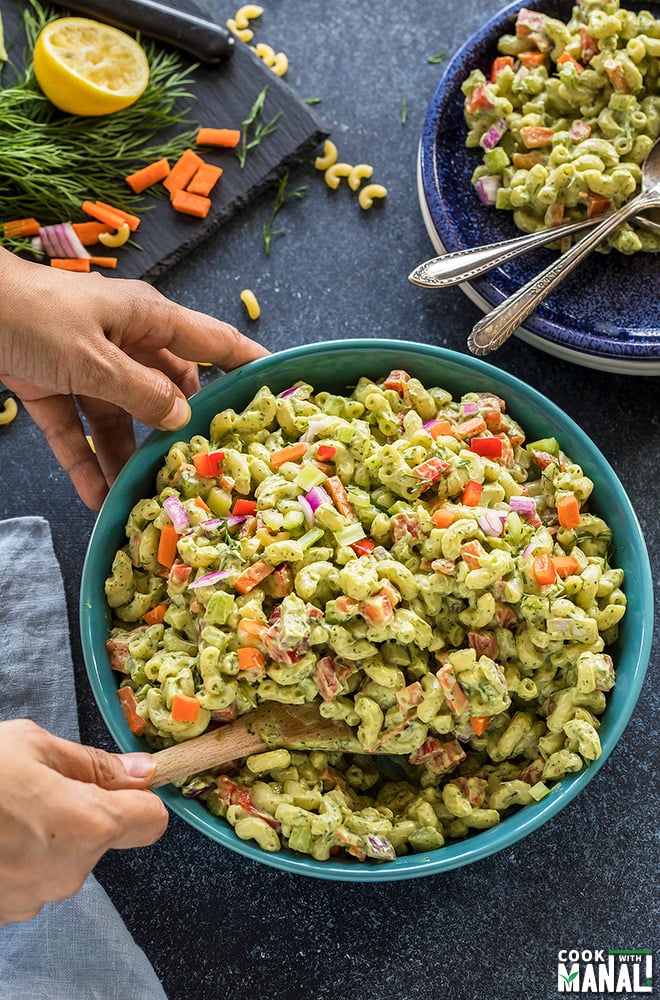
(210, 750)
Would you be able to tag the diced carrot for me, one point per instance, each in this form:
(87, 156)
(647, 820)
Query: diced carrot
(291, 453)
(167, 545)
(183, 171)
(471, 553)
(397, 380)
(156, 615)
(565, 566)
(226, 137)
(128, 701)
(103, 261)
(468, 429)
(544, 570)
(498, 65)
(616, 75)
(21, 227)
(535, 136)
(471, 494)
(71, 263)
(568, 511)
(199, 502)
(451, 689)
(145, 178)
(109, 216)
(557, 214)
(205, 179)
(250, 658)
(340, 497)
(596, 204)
(525, 161)
(252, 576)
(88, 232)
(566, 57)
(531, 60)
(251, 628)
(440, 428)
(190, 204)
(478, 99)
(443, 517)
(480, 723)
(185, 708)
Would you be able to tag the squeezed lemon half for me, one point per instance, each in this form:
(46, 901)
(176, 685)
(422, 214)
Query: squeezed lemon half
(88, 68)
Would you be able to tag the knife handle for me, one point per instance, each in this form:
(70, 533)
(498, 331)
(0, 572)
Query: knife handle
(210, 43)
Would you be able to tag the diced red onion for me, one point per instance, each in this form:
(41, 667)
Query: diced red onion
(287, 392)
(469, 409)
(177, 513)
(317, 425)
(316, 496)
(61, 240)
(487, 188)
(209, 579)
(527, 551)
(307, 509)
(523, 505)
(379, 848)
(37, 245)
(490, 139)
(491, 524)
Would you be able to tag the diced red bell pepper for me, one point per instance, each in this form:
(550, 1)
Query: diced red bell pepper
(397, 380)
(326, 452)
(488, 447)
(208, 463)
(244, 507)
(432, 469)
(363, 547)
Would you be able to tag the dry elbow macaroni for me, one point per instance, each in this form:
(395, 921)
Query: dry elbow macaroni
(8, 411)
(568, 116)
(401, 558)
(334, 171)
(249, 300)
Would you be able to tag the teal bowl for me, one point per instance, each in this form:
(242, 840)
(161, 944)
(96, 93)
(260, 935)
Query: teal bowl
(334, 366)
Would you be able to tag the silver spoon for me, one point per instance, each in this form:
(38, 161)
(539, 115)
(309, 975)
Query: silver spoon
(495, 328)
(462, 265)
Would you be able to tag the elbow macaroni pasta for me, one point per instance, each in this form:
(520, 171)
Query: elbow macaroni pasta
(401, 558)
(568, 116)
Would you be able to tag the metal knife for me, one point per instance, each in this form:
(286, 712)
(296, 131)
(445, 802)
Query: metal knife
(210, 43)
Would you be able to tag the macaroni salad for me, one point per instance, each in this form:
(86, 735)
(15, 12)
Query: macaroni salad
(567, 117)
(399, 557)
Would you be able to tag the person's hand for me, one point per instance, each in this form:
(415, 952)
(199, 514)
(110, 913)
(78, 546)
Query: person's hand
(116, 348)
(62, 807)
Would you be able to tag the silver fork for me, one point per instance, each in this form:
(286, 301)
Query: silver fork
(495, 328)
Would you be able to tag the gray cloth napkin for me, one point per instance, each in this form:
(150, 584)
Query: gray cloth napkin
(80, 948)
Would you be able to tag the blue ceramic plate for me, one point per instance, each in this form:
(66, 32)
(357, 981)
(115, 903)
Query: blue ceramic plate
(606, 314)
(334, 366)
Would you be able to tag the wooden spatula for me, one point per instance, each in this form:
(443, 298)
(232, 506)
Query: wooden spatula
(271, 726)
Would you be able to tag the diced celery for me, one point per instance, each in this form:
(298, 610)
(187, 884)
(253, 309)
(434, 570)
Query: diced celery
(350, 534)
(329, 517)
(539, 791)
(301, 839)
(292, 520)
(496, 160)
(219, 608)
(344, 433)
(310, 476)
(551, 445)
(219, 501)
(310, 537)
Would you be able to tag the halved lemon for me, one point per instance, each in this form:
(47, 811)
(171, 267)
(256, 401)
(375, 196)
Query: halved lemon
(88, 68)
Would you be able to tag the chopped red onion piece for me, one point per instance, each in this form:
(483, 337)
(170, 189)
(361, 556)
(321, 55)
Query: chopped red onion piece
(307, 509)
(487, 188)
(490, 139)
(523, 505)
(61, 240)
(469, 409)
(36, 244)
(491, 524)
(317, 425)
(287, 392)
(316, 496)
(209, 579)
(177, 513)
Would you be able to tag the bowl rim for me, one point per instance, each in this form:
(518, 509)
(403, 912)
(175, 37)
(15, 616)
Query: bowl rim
(378, 353)
(549, 331)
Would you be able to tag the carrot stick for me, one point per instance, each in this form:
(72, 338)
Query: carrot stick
(568, 511)
(132, 220)
(103, 261)
(252, 576)
(340, 497)
(190, 204)
(88, 232)
(288, 454)
(21, 227)
(71, 263)
(443, 517)
(111, 217)
(228, 137)
(205, 179)
(565, 565)
(185, 708)
(249, 657)
(128, 701)
(183, 171)
(147, 176)
(167, 545)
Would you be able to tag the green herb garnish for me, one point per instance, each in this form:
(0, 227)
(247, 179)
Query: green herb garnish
(313, 100)
(51, 162)
(404, 109)
(253, 129)
(281, 197)
(438, 58)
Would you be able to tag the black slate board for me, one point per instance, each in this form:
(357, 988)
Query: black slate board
(223, 97)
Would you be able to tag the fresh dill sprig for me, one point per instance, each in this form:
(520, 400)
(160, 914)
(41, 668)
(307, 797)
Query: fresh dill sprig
(51, 162)
(438, 58)
(404, 109)
(260, 129)
(281, 197)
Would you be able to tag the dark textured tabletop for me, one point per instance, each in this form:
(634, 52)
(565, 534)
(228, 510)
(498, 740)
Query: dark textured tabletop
(213, 924)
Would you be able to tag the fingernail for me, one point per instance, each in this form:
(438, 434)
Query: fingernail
(178, 416)
(138, 765)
